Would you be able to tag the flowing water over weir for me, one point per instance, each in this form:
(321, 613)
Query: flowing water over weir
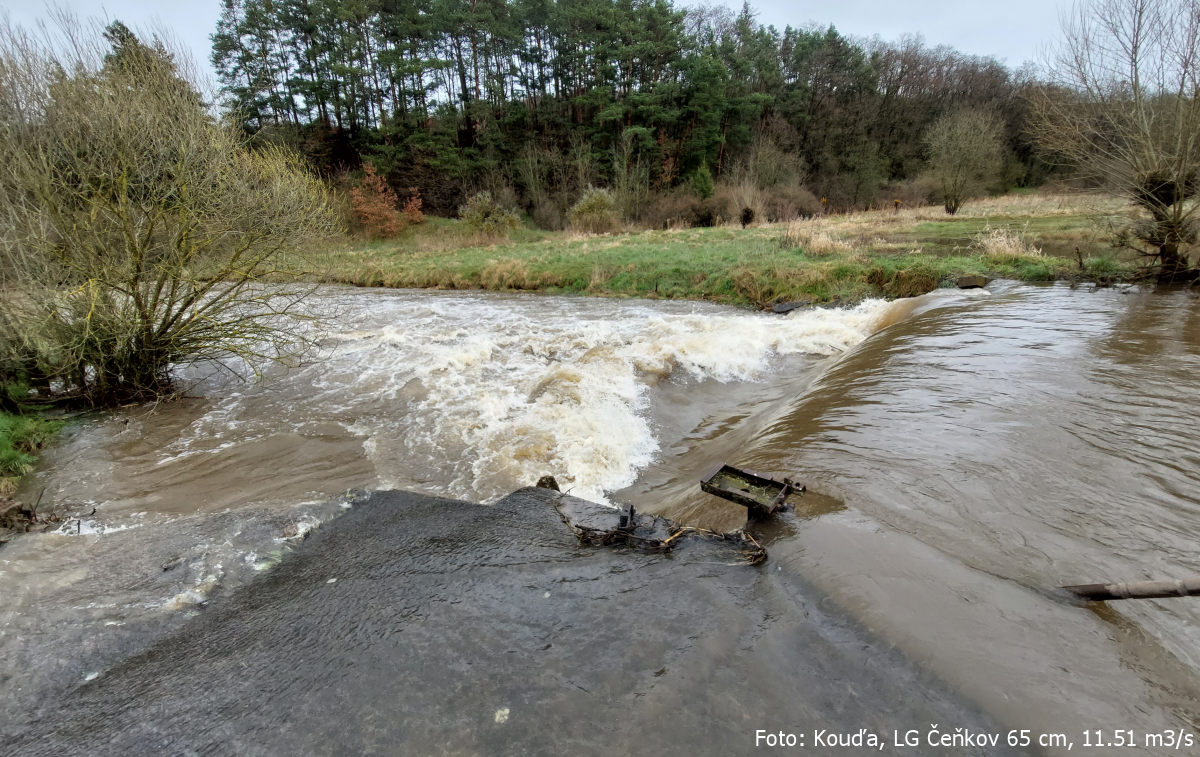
(965, 452)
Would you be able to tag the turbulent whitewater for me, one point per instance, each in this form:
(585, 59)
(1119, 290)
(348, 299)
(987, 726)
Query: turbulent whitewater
(468, 395)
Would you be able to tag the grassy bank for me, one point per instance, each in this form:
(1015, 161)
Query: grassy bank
(21, 438)
(893, 253)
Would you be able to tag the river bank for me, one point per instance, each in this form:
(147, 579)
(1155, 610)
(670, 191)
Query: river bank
(22, 438)
(842, 259)
(883, 253)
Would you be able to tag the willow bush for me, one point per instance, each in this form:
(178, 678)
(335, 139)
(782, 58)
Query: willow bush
(596, 212)
(1122, 109)
(137, 232)
(487, 218)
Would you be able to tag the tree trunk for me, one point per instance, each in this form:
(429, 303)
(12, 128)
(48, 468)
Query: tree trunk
(1173, 266)
(721, 152)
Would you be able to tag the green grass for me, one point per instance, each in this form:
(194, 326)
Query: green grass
(21, 438)
(723, 264)
(1056, 235)
(834, 258)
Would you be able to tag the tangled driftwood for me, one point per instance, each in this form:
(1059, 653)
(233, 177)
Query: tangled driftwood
(602, 525)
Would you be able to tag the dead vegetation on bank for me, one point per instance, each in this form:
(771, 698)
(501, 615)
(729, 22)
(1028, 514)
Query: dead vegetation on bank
(18, 518)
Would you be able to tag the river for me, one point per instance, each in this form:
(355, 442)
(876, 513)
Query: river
(966, 452)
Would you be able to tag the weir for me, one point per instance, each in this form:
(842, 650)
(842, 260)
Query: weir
(965, 452)
(418, 625)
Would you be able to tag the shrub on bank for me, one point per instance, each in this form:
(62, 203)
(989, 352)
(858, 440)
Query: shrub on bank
(599, 210)
(681, 210)
(915, 193)
(137, 231)
(546, 214)
(483, 215)
(412, 207)
(596, 212)
(787, 203)
(670, 210)
(373, 204)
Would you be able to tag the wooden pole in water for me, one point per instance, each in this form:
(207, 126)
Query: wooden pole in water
(1186, 587)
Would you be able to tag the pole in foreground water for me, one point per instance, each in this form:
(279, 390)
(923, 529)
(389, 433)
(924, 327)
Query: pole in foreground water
(1185, 587)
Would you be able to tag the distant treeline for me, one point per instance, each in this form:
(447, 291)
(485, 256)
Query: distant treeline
(535, 100)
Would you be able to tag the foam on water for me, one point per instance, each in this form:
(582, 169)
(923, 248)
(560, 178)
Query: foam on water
(469, 395)
(502, 390)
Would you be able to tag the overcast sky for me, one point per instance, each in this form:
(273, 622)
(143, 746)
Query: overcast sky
(1013, 31)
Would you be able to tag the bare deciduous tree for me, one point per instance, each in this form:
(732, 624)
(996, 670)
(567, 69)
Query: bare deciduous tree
(136, 231)
(965, 152)
(1123, 109)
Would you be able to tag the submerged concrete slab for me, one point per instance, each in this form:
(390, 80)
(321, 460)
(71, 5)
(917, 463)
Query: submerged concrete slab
(420, 625)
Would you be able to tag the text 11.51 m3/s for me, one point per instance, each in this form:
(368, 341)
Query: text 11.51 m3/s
(1099, 737)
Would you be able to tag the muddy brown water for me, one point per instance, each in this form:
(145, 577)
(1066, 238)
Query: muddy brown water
(966, 452)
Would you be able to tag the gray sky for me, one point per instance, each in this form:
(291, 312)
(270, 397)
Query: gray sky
(1013, 31)
(190, 21)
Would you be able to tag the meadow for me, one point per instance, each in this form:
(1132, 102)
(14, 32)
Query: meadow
(891, 252)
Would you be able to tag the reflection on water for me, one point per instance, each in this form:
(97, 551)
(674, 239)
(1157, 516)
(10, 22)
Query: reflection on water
(992, 450)
(965, 453)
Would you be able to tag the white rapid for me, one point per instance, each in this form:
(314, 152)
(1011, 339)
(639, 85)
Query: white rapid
(467, 395)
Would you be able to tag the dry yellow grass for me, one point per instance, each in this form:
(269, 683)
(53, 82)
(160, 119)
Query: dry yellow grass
(868, 224)
(507, 274)
(999, 243)
(1061, 224)
(810, 236)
